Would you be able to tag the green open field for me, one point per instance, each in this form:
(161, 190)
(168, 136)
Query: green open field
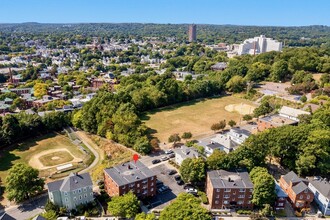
(41, 153)
(195, 116)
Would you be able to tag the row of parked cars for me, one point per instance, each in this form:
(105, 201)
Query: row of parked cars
(170, 154)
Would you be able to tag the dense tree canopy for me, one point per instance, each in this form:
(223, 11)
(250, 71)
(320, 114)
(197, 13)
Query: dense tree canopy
(193, 170)
(23, 182)
(126, 206)
(185, 206)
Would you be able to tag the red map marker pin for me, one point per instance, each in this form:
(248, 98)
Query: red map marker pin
(135, 157)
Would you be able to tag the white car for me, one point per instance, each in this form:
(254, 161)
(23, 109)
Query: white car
(168, 151)
(192, 191)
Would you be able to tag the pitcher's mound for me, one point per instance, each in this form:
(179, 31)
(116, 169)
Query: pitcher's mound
(55, 158)
(243, 109)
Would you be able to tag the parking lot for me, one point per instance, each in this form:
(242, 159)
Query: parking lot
(162, 199)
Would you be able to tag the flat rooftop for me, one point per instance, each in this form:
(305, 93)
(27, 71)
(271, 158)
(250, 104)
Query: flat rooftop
(129, 172)
(278, 120)
(228, 179)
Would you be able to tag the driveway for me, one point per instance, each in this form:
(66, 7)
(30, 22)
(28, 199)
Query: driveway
(162, 199)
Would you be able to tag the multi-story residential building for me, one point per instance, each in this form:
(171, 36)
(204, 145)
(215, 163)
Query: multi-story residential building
(259, 45)
(130, 176)
(183, 153)
(192, 33)
(321, 189)
(74, 190)
(297, 190)
(227, 189)
(281, 197)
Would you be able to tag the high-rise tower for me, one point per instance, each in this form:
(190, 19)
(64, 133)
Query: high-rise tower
(192, 33)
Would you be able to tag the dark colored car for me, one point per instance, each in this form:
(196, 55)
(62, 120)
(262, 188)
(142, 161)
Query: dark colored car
(179, 182)
(155, 161)
(159, 183)
(171, 155)
(188, 186)
(171, 172)
(177, 178)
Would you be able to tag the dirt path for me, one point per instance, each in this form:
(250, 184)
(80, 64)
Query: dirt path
(81, 136)
(35, 162)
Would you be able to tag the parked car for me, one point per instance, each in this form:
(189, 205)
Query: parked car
(168, 151)
(155, 161)
(187, 186)
(164, 158)
(163, 189)
(159, 183)
(191, 191)
(179, 182)
(171, 172)
(177, 177)
(172, 155)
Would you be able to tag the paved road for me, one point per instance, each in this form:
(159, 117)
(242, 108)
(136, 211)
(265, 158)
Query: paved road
(29, 209)
(96, 154)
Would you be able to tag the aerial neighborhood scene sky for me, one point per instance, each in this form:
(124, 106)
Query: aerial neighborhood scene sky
(237, 12)
(164, 109)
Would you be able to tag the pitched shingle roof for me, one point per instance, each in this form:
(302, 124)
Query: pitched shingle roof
(5, 216)
(322, 186)
(299, 188)
(72, 182)
(292, 177)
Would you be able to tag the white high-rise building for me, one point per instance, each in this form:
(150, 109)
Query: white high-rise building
(259, 45)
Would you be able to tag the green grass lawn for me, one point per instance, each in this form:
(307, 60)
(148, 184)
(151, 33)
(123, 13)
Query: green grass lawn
(195, 116)
(23, 152)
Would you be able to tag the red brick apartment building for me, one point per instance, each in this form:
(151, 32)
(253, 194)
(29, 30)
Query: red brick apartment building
(226, 190)
(130, 176)
(299, 195)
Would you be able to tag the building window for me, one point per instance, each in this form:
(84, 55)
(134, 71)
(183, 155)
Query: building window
(218, 190)
(216, 201)
(251, 190)
(152, 178)
(91, 194)
(79, 190)
(308, 196)
(250, 196)
(66, 200)
(85, 189)
(240, 202)
(74, 198)
(65, 193)
(227, 190)
(152, 184)
(85, 195)
(225, 202)
(226, 196)
(242, 190)
(152, 189)
(138, 185)
(217, 196)
(281, 204)
(241, 196)
(301, 196)
(124, 187)
(80, 197)
(74, 191)
(306, 191)
(138, 191)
